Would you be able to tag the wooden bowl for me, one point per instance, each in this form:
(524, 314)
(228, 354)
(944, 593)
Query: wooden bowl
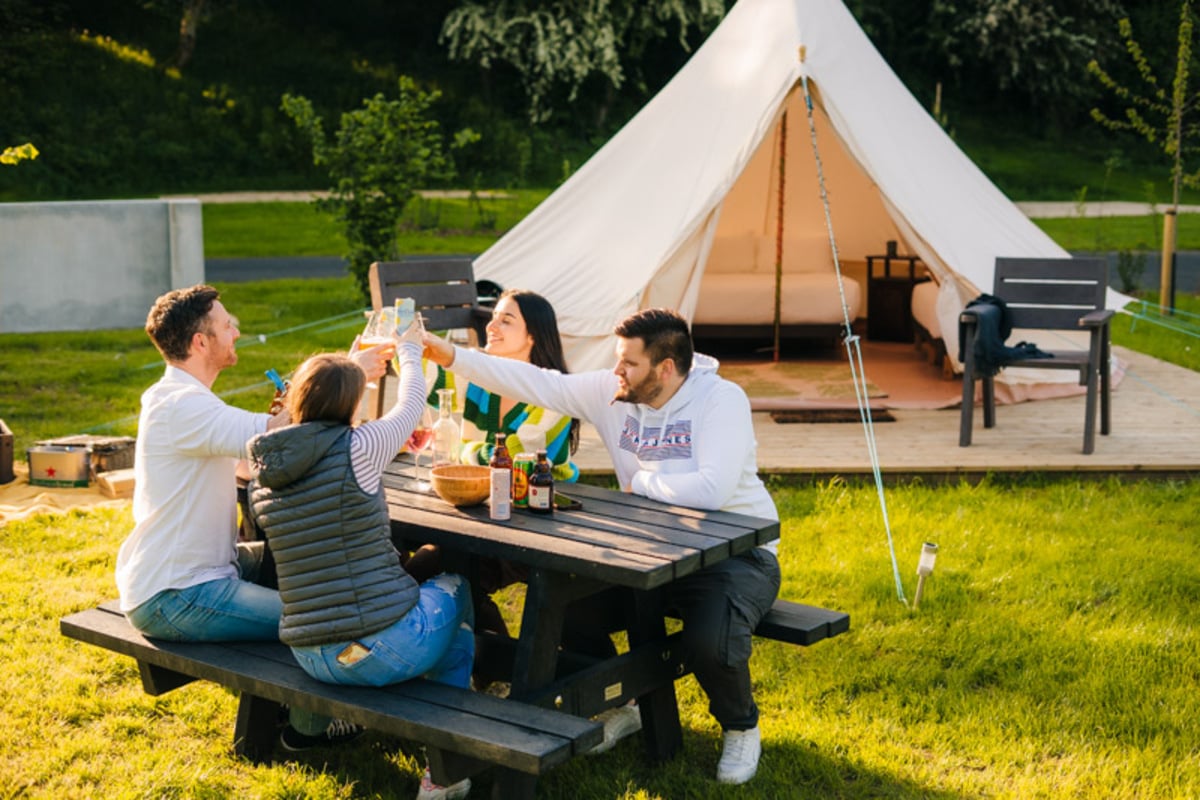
(461, 484)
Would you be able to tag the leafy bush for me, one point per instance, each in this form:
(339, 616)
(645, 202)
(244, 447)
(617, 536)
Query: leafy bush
(379, 156)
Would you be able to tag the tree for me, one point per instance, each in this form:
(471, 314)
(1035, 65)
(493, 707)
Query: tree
(1158, 117)
(191, 13)
(557, 45)
(1026, 52)
(189, 24)
(378, 157)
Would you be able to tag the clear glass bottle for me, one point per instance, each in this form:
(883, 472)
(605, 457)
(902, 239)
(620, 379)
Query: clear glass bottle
(447, 436)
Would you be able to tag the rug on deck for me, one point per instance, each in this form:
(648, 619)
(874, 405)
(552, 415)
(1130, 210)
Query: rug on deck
(897, 376)
(817, 382)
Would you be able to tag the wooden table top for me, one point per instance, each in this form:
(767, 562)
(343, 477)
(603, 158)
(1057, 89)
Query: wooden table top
(617, 538)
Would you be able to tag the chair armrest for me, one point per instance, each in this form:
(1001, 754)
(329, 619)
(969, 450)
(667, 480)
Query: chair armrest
(968, 317)
(1096, 319)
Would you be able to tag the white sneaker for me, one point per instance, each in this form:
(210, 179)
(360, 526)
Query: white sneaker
(618, 722)
(431, 791)
(739, 758)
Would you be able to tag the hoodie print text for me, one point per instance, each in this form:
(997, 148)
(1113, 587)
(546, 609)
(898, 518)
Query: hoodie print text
(656, 443)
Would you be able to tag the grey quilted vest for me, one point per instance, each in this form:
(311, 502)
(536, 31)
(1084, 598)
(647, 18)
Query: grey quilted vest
(339, 574)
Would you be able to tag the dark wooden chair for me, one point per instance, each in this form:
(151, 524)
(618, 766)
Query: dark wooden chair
(1047, 294)
(444, 292)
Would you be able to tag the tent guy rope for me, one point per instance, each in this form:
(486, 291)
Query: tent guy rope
(851, 340)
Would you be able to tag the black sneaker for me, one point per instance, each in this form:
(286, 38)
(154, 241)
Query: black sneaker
(338, 732)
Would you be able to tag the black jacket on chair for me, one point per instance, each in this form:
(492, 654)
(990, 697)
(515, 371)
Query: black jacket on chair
(994, 328)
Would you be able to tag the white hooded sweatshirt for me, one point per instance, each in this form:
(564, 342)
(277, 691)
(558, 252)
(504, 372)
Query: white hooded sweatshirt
(697, 451)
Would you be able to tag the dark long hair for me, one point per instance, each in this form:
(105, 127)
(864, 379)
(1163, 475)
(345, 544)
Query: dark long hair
(541, 323)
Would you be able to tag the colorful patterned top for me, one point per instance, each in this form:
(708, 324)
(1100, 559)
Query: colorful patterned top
(527, 426)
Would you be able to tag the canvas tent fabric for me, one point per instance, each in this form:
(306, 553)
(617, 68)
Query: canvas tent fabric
(634, 226)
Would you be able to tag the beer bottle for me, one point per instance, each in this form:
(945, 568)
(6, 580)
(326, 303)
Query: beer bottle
(501, 477)
(281, 390)
(541, 486)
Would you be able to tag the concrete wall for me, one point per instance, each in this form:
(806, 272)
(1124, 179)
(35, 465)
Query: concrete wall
(80, 266)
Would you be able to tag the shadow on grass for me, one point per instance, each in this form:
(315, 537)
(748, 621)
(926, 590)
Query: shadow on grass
(380, 766)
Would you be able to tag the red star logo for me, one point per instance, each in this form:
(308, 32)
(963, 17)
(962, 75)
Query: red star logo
(50, 472)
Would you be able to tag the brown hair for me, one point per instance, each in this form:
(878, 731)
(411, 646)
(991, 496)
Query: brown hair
(664, 334)
(326, 387)
(178, 316)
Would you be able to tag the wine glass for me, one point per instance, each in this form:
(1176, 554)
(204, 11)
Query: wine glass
(381, 325)
(418, 442)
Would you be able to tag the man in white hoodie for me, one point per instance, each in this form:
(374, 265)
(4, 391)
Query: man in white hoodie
(677, 433)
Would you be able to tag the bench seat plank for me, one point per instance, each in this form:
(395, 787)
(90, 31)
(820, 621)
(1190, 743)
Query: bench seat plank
(505, 732)
(797, 623)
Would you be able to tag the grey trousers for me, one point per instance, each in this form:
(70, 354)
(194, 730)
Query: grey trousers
(720, 606)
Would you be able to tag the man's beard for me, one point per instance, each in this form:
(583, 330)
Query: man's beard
(649, 388)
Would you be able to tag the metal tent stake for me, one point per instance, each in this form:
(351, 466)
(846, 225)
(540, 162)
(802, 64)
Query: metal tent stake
(924, 568)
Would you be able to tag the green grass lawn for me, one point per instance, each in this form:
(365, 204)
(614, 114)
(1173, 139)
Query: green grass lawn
(1107, 234)
(1055, 654)
(430, 226)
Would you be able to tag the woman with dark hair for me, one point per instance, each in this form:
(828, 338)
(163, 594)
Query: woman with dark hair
(351, 613)
(523, 327)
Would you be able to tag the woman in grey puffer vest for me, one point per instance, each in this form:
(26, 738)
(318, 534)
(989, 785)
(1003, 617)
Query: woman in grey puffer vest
(351, 614)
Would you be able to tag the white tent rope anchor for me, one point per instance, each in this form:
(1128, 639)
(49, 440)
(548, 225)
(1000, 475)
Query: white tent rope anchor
(852, 341)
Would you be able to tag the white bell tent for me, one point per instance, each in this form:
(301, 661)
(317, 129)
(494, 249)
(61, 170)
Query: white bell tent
(634, 226)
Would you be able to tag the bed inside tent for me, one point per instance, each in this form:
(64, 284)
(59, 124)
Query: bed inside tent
(750, 237)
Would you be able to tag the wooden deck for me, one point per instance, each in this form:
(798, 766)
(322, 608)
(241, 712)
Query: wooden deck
(1155, 421)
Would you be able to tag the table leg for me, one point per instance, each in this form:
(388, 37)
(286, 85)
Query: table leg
(255, 732)
(536, 659)
(541, 631)
(660, 710)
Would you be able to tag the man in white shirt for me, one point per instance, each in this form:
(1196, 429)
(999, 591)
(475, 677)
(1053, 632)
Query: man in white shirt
(182, 574)
(680, 434)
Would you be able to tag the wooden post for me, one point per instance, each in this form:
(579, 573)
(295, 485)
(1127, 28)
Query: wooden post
(779, 231)
(1166, 287)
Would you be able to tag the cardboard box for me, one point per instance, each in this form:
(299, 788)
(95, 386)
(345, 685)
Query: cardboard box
(60, 466)
(6, 454)
(116, 483)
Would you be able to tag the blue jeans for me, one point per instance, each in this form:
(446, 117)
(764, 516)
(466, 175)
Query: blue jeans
(225, 610)
(433, 639)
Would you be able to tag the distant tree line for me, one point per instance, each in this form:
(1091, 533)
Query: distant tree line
(137, 96)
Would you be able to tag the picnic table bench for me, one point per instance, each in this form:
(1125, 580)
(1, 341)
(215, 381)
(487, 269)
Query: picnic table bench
(465, 731)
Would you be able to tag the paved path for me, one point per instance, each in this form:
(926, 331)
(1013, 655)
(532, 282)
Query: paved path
(1036, 209)
(1040, 210)
(309, 196)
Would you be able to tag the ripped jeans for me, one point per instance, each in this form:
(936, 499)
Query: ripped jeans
(434, 639)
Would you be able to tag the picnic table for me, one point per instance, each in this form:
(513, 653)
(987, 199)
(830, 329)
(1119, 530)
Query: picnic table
(615, 540)
(616, 543)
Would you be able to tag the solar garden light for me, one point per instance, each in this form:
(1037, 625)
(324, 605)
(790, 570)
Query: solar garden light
(924, 568)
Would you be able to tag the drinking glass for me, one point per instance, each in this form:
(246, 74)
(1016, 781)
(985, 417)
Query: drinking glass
(418, 442)
(380, 329)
